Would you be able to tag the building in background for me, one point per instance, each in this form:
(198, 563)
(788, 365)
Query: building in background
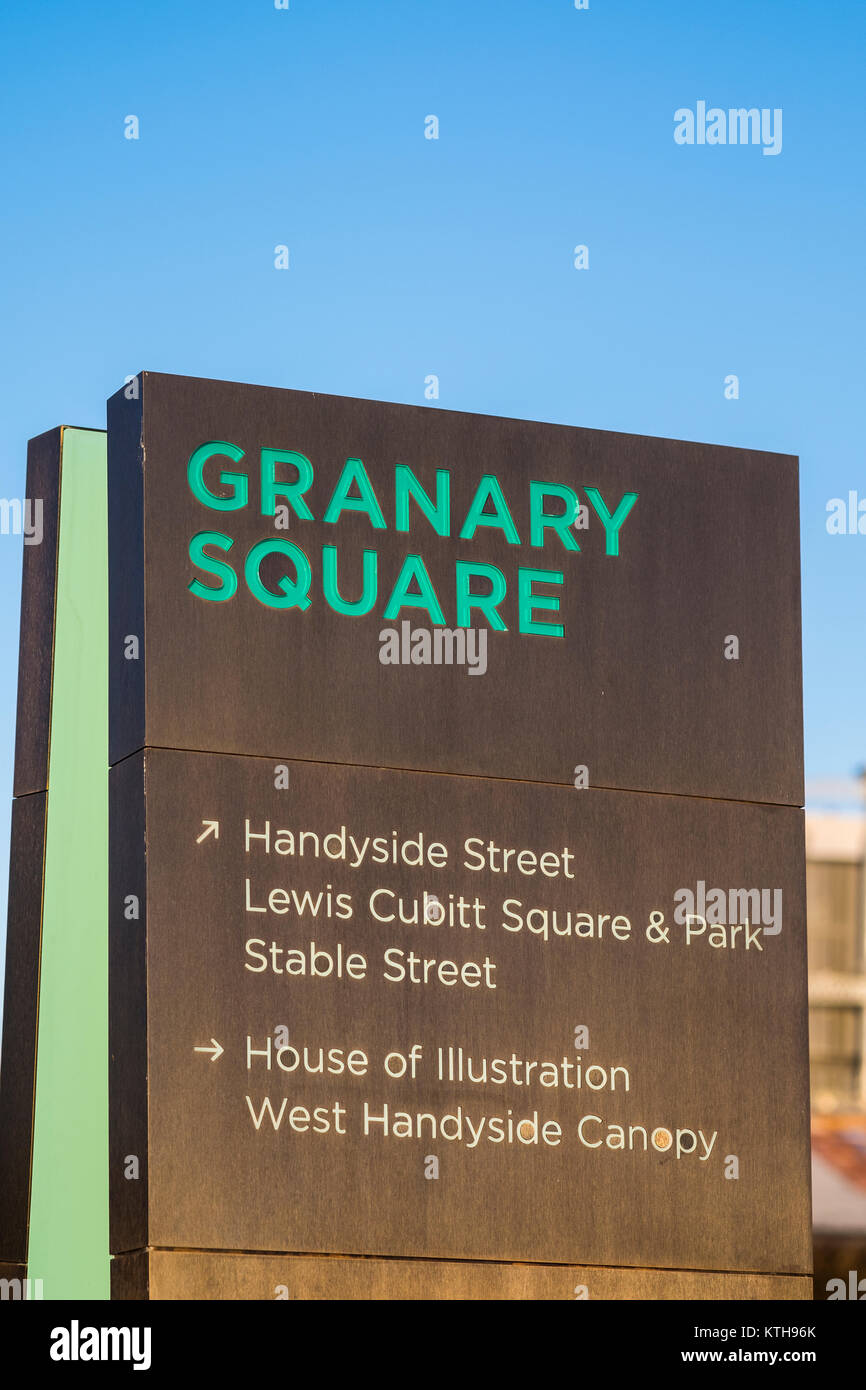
(836, 908)
(836, 915)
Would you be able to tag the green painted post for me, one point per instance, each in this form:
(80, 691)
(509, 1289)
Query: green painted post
(68, 1244)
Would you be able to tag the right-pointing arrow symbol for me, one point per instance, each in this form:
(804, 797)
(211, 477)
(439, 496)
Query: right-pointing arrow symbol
(211, 827)
(215, 1050)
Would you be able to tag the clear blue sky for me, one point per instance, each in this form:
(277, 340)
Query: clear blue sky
(410, 256)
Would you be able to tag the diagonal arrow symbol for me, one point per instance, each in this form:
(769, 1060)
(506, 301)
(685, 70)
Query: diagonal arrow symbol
(215, 1049)
(211, 827)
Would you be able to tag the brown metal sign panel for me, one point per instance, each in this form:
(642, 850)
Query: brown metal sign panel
(398, 1014)
(389, 585)
(194, 1275)
(38, 595)
(27, 840)
(20, 1021)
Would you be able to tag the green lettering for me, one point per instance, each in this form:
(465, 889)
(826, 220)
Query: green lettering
(539, 521)
(272, 487)
(486, 603)
(369, 581)
(613, 523)
(527, 601)
(489, 488)
(211, 565)
(355, 472)
(406, 485)
(236, 481)
(413, 568)
(294, 594)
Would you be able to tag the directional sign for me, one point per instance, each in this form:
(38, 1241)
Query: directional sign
(560, 1036)
(457, 782)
